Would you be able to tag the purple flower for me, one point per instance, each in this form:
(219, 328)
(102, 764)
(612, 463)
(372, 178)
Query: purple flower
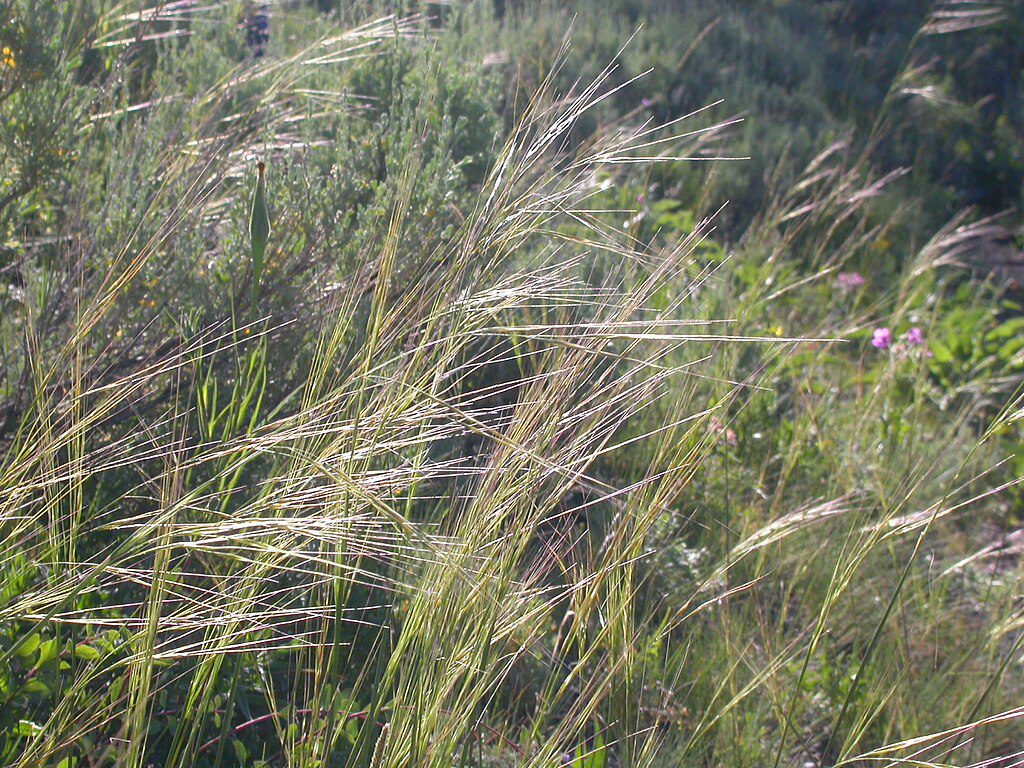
(645, 102)
(849, 281)
(881, 338)
(915, 337)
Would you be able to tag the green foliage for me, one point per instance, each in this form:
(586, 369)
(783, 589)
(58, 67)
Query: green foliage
(527, 454)
(976, 341)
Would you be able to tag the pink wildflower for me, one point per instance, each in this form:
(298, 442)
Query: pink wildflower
(849, 281)
(881, 338)
(716, 427)
(915, 337)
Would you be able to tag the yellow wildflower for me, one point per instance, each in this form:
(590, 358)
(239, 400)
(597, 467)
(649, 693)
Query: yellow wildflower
(7, 60)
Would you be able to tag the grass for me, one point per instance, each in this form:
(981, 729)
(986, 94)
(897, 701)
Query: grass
(491, 461)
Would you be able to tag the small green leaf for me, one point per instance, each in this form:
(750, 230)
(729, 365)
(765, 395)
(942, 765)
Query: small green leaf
(48, 651)
(86, 652)
(27, 647)
(241, 753)
(27, 729)
(36, 688)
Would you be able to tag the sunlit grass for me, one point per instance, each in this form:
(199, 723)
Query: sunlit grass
(528, 486)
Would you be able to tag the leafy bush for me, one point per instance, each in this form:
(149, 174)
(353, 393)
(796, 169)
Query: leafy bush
(519, 456)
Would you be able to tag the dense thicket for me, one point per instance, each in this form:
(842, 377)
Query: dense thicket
(563, 417)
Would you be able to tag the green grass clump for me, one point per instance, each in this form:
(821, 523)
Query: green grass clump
(516, 458)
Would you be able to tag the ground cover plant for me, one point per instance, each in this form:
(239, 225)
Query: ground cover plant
(392, 385)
